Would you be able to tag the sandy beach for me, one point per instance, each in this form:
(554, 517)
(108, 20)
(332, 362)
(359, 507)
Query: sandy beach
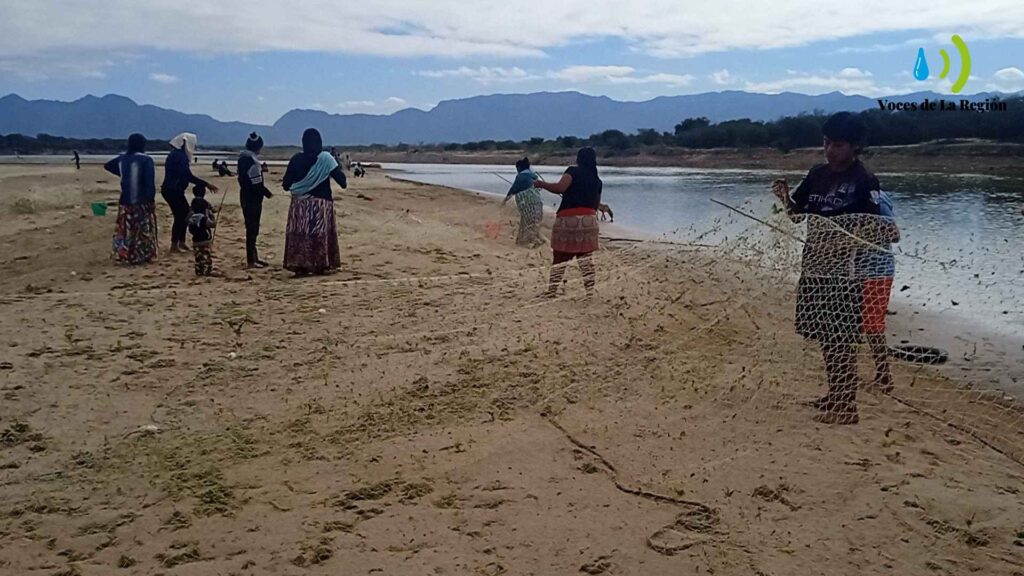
(425, 411)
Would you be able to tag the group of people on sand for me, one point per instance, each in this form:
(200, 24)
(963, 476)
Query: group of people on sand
(311, 238)
(847, 264)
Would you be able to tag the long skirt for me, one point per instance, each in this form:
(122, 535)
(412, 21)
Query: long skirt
(135, 234)
(531, 214)
(311, 238)
(575, 233)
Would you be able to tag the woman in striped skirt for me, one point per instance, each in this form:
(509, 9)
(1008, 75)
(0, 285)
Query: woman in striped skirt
(311, 237)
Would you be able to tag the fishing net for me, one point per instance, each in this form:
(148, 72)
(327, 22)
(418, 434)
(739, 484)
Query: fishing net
(722, 320)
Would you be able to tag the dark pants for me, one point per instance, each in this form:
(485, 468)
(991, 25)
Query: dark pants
(179, 208)
(558, 270)
(252, 211)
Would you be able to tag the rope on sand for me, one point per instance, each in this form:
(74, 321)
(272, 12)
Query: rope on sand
(613, 472)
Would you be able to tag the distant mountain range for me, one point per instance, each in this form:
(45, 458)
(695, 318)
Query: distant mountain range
(495, 117)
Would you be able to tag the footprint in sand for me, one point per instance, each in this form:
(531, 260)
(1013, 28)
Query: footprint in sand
(687, 530)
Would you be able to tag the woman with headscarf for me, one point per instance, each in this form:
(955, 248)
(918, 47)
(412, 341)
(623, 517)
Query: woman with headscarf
(575, 234)
(311, 239)
(177, 177)
(135, 231)
(528, 200)
(252, 192)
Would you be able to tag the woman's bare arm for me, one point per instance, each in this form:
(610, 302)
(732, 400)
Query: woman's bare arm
(558, 187)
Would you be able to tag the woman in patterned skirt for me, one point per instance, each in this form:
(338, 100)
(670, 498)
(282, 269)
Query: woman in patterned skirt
(575, 234)
(311, 237)
(528, 200)
(135, 232)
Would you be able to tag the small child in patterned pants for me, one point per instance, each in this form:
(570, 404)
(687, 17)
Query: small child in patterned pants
(201, 223)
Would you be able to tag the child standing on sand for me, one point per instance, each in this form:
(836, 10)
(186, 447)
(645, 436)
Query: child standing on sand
(835, 196)
(875, 266)
(201, 222)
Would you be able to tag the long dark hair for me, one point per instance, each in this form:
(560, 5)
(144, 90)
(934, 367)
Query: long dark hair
(586, 158)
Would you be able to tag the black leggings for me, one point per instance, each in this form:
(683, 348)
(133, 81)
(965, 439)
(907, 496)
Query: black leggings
(252, 211)
(180, 210)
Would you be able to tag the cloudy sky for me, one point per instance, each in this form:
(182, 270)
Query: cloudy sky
(255, 60)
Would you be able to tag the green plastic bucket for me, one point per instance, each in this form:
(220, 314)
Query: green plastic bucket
(99, 208)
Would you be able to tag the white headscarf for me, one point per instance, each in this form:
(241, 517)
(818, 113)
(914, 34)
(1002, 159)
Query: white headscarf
(186, 141)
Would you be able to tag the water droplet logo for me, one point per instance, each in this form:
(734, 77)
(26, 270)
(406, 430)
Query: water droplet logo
(921, 65)
(921, 71)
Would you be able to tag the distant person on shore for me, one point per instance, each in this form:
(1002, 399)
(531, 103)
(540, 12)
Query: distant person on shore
(78, 160)
(177, 177)
(529, 203)
(252, 192)
(836, 196)
(575, 234)
(135, 234)
(875, 267)
(201, 222)
(311, 239)
(222, 168)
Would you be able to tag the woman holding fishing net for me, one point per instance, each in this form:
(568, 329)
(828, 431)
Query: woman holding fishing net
(575, 234)
(529, 203)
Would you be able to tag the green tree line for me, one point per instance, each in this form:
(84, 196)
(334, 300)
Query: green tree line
(885, 128)
(47, 144)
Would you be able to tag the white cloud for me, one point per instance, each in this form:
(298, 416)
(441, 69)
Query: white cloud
(56, 65)
(1011, 74)
(853, 73)
(163, 78)
(482, 74)
(357, 104)
(386, 106)
(1007, 80)
(591, 73)
(847, 81)
(450, 28)
(858, 81)
(571, 74)
(911, 43)
(616, 75)
(661, 78)
(722, 77)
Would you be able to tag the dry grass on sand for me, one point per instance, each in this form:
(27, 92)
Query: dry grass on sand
(155, 423)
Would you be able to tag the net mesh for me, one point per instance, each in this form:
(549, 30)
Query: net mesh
(728, 318)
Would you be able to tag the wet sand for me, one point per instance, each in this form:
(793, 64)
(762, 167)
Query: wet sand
(424, 411)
